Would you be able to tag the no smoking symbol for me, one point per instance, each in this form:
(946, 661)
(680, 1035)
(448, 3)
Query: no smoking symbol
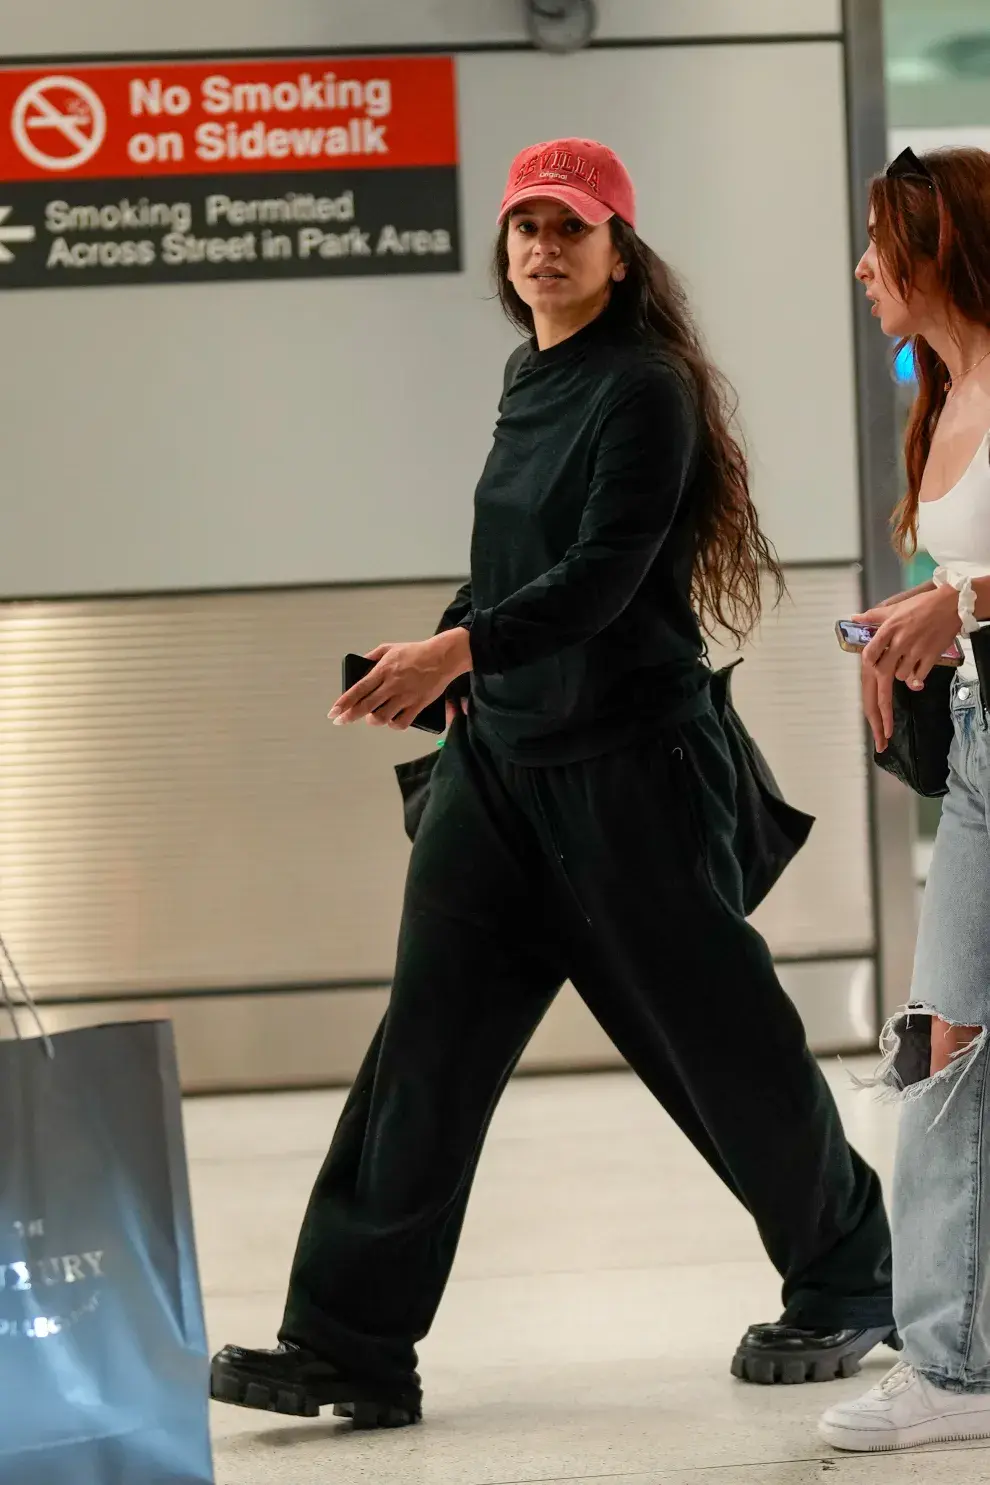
(58, 123)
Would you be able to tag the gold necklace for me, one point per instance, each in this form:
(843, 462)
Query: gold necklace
(955, 380)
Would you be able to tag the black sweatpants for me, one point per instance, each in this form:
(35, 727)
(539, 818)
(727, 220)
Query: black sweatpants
(616, 873)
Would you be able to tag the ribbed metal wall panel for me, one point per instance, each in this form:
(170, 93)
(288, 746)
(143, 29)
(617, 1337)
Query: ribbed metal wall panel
(175, 809)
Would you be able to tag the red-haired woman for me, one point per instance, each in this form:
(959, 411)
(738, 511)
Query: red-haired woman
(579, 826)
(927, 272)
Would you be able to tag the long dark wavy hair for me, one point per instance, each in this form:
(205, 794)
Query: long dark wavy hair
(941, 223)
(732, 555)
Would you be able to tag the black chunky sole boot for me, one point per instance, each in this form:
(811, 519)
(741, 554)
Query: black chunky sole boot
(296, 1382)
(770, 1354)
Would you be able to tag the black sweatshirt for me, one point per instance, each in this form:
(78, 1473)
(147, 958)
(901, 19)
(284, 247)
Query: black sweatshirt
(583, 637)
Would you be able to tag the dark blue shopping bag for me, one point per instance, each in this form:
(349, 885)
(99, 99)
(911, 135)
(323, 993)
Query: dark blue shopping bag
(103, 1361)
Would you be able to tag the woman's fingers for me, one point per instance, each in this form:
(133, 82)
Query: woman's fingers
(912, 667)
(385, 714)
(913, 675)
(359, 700)
(885, 698)
(918, 676)
(873, 708)
(356, 703)
(404, 719)
(876, 727)
(343, 712)
(880, 649)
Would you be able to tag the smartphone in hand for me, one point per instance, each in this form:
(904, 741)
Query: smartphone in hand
(855, 637)
(432, 718)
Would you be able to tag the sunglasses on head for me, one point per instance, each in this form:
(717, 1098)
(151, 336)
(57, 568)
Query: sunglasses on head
(907, 166)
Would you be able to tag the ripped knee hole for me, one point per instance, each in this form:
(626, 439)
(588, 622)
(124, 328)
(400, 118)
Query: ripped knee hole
(923, 1052)
(922, 1045)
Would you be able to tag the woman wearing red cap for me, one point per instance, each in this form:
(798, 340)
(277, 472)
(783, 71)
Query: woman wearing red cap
(579, 827)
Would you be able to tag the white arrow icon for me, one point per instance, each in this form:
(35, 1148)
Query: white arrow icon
(11, 234)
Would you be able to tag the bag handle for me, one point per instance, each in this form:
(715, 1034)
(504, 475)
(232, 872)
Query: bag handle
(10, 1006)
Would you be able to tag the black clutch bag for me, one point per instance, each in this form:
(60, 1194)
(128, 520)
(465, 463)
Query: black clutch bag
(769, 831)
(918, 751)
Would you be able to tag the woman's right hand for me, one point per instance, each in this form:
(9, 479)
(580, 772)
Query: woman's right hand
(878, 690)
(878, 704)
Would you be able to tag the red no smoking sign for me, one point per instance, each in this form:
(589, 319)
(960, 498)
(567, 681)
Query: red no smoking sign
(106, 170)
(58, 123)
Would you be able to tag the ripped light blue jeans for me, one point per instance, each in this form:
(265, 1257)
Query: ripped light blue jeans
(941, 1200)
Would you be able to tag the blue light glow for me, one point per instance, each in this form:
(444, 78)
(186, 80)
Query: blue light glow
(904, 373)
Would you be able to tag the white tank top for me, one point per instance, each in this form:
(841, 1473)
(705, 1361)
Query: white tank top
(955, 530)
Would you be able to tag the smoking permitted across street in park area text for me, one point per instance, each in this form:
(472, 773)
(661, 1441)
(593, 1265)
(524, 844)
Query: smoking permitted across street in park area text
(152, 173)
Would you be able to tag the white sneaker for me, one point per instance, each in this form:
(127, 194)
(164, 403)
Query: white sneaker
(904, 1410)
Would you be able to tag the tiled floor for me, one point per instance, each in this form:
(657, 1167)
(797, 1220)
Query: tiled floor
(603, 1280)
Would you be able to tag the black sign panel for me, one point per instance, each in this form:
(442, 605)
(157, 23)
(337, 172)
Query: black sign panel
(191, 229)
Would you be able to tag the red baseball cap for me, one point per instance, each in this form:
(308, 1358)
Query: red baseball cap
(581, 173)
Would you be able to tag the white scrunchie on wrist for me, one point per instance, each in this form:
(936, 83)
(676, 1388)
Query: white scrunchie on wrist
(944, 577)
